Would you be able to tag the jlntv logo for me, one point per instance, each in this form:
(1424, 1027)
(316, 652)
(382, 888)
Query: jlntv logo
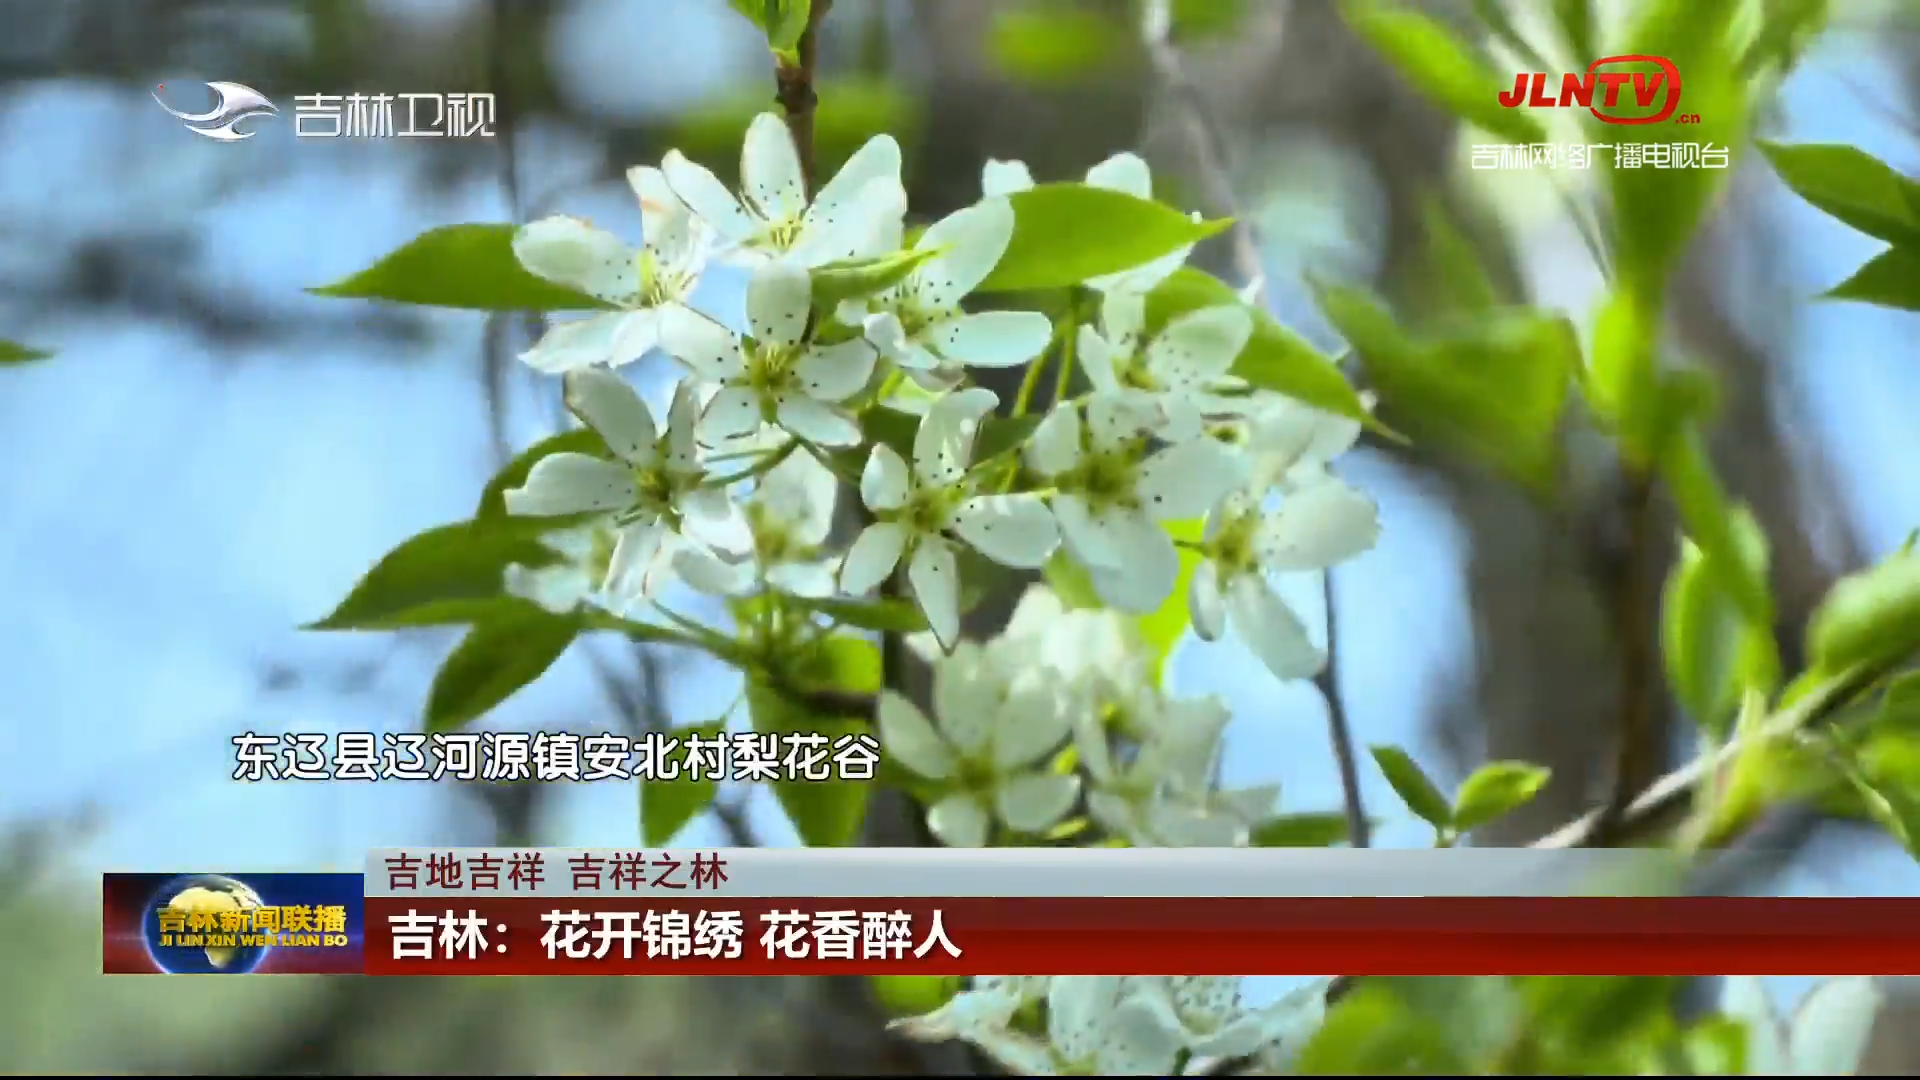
(1656, 87)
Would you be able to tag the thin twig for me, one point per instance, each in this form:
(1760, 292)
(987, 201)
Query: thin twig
(1215, 171)
(1635, 750)
(797, 92)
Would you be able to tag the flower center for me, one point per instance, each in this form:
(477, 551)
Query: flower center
(1232, 548)
(781, 235)
(658, 284)
(1132, 373)
(1108, 479)
(771, 372)
(929, 509)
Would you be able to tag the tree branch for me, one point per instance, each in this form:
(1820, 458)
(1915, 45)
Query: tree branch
(1637, 749)
(1215, 172)
(796, 92)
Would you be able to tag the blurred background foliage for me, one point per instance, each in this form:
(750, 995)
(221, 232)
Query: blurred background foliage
(167, 272)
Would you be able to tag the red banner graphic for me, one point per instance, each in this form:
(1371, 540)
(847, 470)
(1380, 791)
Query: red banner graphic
(692, 935)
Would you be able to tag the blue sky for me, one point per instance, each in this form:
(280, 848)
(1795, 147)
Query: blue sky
(176, 508)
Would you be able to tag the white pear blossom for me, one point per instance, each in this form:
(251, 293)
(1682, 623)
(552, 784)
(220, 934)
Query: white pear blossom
(1321, 522)
(992, 745)
(1180, 374)
(1826, 1036)
(1151, 762)
(919, 325)
(654, 489)
(790, 514)
(1112, 491)
(642, 284)
(776, 376)
(849, 217)
(921, 511)
(575, 580)
(1124, 172)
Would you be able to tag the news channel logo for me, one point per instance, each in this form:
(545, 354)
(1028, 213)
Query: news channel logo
(210, 924)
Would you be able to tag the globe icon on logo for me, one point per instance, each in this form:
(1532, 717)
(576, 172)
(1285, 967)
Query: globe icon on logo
(207, 945)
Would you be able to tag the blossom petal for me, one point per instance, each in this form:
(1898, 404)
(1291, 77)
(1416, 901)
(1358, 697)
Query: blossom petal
(708, 198)
(576, 343)
(733, 412)
(1123, 318)
(1206, 607)
(883, 331)
(873, 224)
(1199, 346)
(569, 483)
(1054, 447)
(1125, 172)
(683, 421)
(1146, 564)
(1317, 527)
(633, 553)
(770, 175)
(943, 443)
(1079, 1009)
(815, 421)
(606, 403)
(1187, 479)
(660, 208)
(908, 737)
(1012, 530)
(872, 556)
(966, 695)
(1035, 802)
(1082, 532)
(707, 572)
(972, 240)
(960, 821)
(839, 199)
(1271, 630)
(934, 573)
(779, 297)
(884, 482)
(709, 349)
(1004, 178)
(1114, 420)
(993, 339)
(1030, 724)
(1099, 360)
(835, 372)
(568, 251)
(636, 335)
(801, 493)
(1143, 1038)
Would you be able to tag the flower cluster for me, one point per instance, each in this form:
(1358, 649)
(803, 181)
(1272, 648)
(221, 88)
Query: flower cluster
(1128, 1025)
(735, 490)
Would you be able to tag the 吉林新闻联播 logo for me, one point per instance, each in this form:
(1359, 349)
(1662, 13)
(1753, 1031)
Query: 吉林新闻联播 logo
(233, 105)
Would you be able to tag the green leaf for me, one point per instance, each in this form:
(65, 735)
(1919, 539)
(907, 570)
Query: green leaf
(1442, 67)
(1582, 1015)
(915, 995)
(786, 22)
(1321, 829)
(1052, 46)
(450, 574)
(493, 500)
(829, 813)
(1373, 1032)
(1713, 522)
(1849, 184)
(1495, 790)
(1275, 358)
(853, 278)
(459, 266)
(1716, 1046)
(886, 614)
(1869, 617)
(756, 11)
(1492, 385)
(12, 352)
(1890, 279)
(667, 805)
(498, 656)
(1064, 234)
(1578, 28)
(1657, 211)
(1713, 654)
(1413, 786)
